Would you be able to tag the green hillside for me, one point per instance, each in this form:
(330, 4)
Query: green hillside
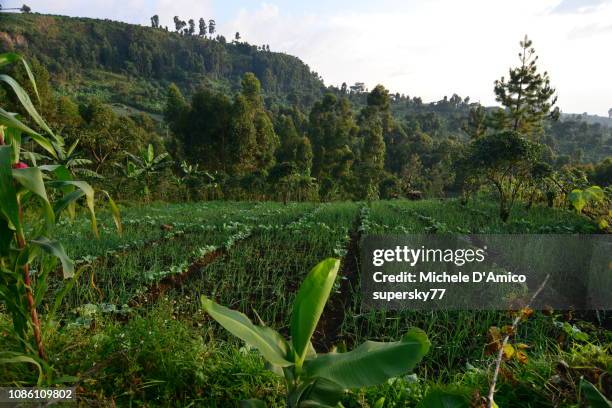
(133, 65)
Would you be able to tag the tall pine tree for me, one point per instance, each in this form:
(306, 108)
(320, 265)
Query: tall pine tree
(526, 95)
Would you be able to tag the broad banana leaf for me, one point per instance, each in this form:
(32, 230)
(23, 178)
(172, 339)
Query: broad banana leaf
(443, 399)
(371, 363)
(309, 303)
(269, 343)
(594, 398)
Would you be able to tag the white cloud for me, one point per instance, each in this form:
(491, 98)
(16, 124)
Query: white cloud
(579, 6)
(589, 30)
(434, 48)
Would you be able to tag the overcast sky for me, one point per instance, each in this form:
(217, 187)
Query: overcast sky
(426, 48)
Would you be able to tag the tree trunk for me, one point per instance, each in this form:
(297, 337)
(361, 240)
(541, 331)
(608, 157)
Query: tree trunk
(550, 197)
(504, 213)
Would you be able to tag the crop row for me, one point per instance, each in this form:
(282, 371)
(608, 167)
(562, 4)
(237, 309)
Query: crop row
(260, 276)
(464, 341)
(150, 230)
(117, 278)
(140, 229)
(410, 217)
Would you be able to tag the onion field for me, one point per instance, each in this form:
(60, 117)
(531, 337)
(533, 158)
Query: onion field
(131, 331)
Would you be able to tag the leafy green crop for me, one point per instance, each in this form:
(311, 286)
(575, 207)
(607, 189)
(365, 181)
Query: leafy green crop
(320, 380)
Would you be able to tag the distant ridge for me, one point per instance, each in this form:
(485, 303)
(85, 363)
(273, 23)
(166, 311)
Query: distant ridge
(590, 119)
(133, 64)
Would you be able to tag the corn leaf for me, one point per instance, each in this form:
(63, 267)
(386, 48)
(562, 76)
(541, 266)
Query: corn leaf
(9, 119)
(8, 357)
(115, 212)
(23, 97)
(32, 180)
(8, 195)
(10, 57)
(57, 250)
(12, 137)
(89, 198)
(61, 204)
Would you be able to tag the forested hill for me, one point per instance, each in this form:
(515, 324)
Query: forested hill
(96, 57)
(133, 66)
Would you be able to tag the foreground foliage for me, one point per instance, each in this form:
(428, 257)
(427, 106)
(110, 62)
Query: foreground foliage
(316, 380)
(125, 348)
(27, 250)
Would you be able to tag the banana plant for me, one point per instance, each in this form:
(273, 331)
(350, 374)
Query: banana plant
(581, 198)
(146, 165)
(28, 252)
(193, 179)
(312, 379)
(71, 160)
(148, 162)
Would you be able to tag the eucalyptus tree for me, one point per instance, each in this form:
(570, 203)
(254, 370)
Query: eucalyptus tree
(252, 136)
(294, 148)
(179, 24)
(332, 130)
(202, 27)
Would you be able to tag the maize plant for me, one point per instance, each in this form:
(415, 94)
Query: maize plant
(32, 198)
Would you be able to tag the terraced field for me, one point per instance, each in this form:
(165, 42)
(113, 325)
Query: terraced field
(131, 331)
